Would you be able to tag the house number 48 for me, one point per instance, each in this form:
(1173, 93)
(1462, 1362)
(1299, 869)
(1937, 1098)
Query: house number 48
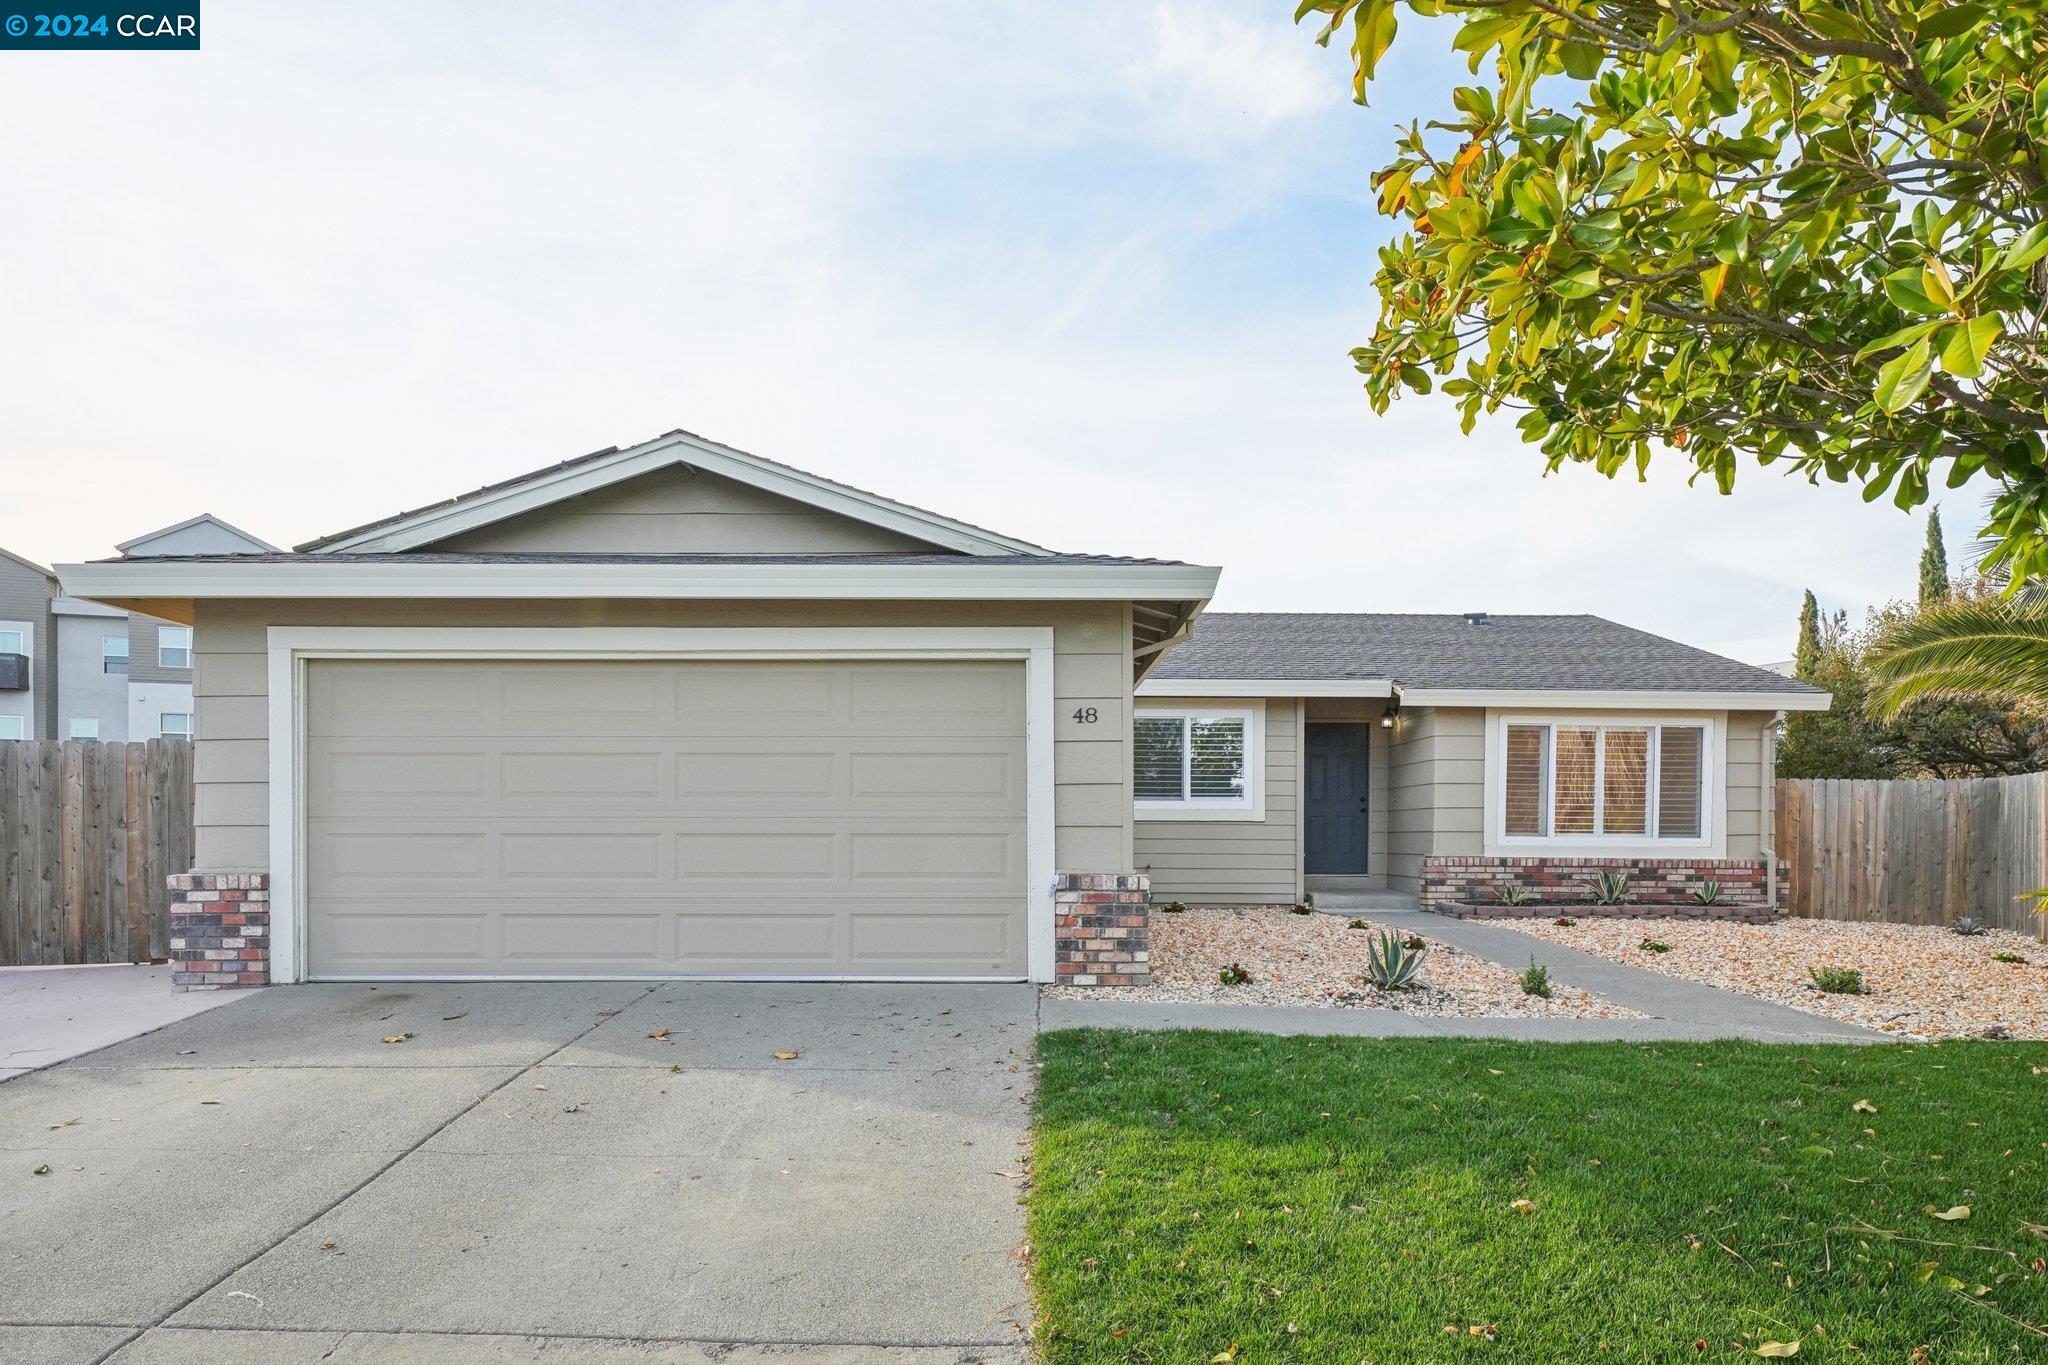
(1085, 716)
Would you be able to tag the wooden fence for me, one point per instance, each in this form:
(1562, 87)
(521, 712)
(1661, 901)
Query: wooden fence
(1915, 852)
(88, 833)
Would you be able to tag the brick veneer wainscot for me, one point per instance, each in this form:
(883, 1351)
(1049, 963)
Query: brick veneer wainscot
(1651, 882)
(1101, 924)
(220, 930)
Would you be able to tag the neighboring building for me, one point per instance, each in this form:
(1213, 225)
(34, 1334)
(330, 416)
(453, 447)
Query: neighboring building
(679, 711)
(28, 634)
(95, 671)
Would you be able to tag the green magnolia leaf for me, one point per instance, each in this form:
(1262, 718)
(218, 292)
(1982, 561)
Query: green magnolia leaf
(1937, 284)
(1904, 336)
(1964, 346)
(2030, 247)
(1950, 23)
(1905, 288)
(1904, 376)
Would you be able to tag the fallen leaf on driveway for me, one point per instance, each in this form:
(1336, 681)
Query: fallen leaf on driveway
(446, 1017)
(1778, 1349)
(43, 1169)
(1954, 1215)
(785, 1056)
(396, 1037)
(658, 1034)
(65, 1124)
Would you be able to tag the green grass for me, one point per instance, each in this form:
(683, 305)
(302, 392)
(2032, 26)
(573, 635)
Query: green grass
(1343, 1200)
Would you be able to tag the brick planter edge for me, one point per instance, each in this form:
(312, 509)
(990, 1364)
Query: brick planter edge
(1655, 884)
(1101, 929)
(220, 930)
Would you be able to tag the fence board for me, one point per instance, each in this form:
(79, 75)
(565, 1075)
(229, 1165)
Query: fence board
(88, 833)
(1915, 852)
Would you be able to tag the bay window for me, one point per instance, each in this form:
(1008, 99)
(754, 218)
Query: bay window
(1626, 781)
(1198, 763)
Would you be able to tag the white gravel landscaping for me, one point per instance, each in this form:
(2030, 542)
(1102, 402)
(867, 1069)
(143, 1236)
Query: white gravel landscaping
(1923, 981)
(1316, 960)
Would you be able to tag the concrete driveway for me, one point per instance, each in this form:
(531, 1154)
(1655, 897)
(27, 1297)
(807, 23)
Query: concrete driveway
(609, 1171)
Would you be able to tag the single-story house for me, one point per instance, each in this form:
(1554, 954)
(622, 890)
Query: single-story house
(678, 710)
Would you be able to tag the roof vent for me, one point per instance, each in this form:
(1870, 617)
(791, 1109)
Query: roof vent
(1475, 618)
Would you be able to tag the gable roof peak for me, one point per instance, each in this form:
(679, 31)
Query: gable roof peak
(614, 464)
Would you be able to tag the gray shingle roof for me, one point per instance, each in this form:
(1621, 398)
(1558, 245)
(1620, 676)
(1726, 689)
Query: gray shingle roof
(1524, 653)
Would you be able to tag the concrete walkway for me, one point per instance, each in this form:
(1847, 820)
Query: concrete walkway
(48, 1014)
(1678, 1011)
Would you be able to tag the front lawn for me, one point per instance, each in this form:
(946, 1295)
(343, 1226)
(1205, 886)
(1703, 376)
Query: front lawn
(1346, 1200)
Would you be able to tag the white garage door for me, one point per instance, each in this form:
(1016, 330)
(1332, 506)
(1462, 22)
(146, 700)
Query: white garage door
(665, 818)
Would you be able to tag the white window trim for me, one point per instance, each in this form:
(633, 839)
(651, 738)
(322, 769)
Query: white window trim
(186, 733)
(290, 648)
(1249, 808)
(18, 724)
(71, 727)
(1712, 843)
(26, 639)
(186, 649)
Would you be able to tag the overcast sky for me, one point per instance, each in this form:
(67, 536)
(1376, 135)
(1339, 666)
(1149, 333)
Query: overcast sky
(1084, 273)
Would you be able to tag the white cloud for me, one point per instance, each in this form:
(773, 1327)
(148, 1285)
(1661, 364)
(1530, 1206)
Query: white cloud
(1084, 273)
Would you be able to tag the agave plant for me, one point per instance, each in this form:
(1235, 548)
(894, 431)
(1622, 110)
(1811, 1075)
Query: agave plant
(1392, 963)
(1513, 893)
(1611, 888)
(1969, 926)
(1707, 893)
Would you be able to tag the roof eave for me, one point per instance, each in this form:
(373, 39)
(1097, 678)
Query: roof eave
(114, 580)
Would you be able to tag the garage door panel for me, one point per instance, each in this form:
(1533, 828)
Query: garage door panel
(580, 698)
(757, 774)
(340, 856)
(647, 818)
(564, 776)
(635, 942)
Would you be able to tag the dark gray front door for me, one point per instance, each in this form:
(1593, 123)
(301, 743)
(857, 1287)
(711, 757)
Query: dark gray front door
(1333, 841)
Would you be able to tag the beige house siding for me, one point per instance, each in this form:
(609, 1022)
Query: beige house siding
(1235, 862)
(682, 511)
(1436, 788)
(1750, 763)
(1091, 669)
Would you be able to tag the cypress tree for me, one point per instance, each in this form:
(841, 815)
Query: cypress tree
(1933, 563)
(1806, 654)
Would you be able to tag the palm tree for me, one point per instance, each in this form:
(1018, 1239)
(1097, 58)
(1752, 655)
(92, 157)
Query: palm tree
(1993, 647)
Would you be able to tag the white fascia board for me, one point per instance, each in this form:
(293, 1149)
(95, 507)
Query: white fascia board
(1266, 687)
(1644, 700)
(340, 578)
(484, 509)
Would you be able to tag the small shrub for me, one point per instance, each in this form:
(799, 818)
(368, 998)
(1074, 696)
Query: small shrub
(1536, 980)
(1707, 893)
(2009, 957)
(1564, 922)
(1969, 926)
(1358, 924)
(1308, 898)
(1173, 908)
(1415, 943)
(1611, 888)
(1392, 963)
(1513, 893)
(1654, 945)
(1302, 908)
(1838, 980)
(1234, 975)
